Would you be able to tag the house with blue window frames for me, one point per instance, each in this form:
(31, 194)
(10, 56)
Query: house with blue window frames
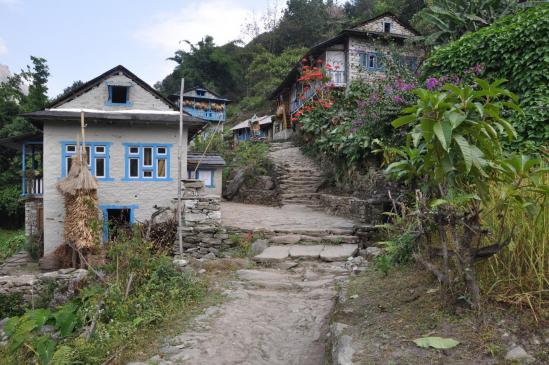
(131, 147)
(357, 53)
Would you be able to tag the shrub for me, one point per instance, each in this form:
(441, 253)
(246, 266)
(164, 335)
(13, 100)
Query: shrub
(513, 48)
(10, 243)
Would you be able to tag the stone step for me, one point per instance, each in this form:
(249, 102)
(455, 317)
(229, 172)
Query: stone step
(300, 196)
(304, 180)
(299, 189)
(302, 239)
(274, 254)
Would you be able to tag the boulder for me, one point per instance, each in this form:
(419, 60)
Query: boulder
(518, 353)
(259, 246)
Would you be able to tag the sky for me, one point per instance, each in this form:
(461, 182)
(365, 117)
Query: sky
(83, 38)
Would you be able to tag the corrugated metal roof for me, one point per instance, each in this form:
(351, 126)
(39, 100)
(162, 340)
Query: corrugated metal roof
(266, 119)
(207, 160)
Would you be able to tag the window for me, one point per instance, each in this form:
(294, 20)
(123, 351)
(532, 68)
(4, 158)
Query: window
(147, 162)
(97, 158)
(387, 27)
(200, 92)
(205, 175)
(118, 95)
(372, 61)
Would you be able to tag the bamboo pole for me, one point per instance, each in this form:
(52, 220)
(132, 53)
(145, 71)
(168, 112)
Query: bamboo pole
(179, 177)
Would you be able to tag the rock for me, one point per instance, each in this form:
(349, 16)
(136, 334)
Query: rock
(342, 345)
(338, 253)
(273, 254)
(287, 265)
(306, 252)
(201, 271)
(210, 256)
(180, 262)
(518, 353)
(234, 185)
(290, 239)
(373, 252)
(259, 246)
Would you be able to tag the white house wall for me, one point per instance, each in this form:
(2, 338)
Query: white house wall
(97, 97)
(142, 194)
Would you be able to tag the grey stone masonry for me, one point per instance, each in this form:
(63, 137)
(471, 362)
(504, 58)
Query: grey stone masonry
(49, 289)
(33, 217)
(203, 235)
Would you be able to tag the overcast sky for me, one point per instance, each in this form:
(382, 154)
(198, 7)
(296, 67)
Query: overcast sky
(83, 38)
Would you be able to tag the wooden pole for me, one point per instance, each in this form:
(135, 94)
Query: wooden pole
(179, 173)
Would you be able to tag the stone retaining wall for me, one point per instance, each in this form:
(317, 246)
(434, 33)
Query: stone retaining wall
(44, 289)
(365, 211)
(203, 235)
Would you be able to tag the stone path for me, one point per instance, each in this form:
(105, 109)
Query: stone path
(299, 176)
(275, 316)
(288, 218)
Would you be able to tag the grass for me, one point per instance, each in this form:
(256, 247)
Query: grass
(386, 313)
(520, 273)
(10, 242)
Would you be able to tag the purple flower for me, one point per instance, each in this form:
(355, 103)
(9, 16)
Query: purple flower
(373, 98)
(398, 99)
(432, 83)
(403, 86)
(353, 130)
(357, 122)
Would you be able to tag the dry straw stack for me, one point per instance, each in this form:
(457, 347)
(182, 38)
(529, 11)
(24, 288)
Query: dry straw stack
(79, 188)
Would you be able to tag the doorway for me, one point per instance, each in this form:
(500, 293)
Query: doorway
(117, 222)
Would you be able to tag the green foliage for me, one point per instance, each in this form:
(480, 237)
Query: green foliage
(459, 130)
(513, 48)
(10, 243)
(447, 20)
(210, 141)
(249, 156)
(11, 305)
(139, 289)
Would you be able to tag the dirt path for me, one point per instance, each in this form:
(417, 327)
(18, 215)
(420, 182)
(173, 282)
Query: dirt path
(271, 316)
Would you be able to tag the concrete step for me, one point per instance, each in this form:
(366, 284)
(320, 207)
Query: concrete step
(274, 254)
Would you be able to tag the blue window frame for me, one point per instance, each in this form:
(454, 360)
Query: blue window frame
(98, 156)
(372, 61)
(147, 162)
(206, 175)
(119, 95)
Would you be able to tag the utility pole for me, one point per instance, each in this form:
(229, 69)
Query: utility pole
(179, 175)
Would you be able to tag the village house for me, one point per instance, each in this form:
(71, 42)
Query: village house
(255, 128)
(203, 103)
(358, 53)
(131, 143)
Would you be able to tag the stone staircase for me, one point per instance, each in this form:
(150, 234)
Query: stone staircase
(299, 176)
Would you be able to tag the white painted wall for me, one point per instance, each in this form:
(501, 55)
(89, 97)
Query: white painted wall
(97, 97)
(117, 192)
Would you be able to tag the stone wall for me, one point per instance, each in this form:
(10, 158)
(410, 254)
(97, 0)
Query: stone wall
(44, 289)
(363, 210)
(261, 191)
(203, 235)
(33, 217)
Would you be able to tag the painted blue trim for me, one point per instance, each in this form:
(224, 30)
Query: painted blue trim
(24, 168)
(92, 145)
(197, 176)
(105, 210)
(142, 167)
(109, 99)
(365, 61)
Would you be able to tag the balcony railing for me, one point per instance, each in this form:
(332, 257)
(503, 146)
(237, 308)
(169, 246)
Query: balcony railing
(337, 78)
(206, 114)
(33, 186)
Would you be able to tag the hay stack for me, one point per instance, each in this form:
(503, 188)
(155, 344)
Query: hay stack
(79, 188)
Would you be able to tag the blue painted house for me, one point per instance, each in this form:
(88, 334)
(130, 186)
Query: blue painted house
(203, 103)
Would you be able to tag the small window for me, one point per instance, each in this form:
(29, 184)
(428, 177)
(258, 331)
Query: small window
(147, 173)
(118, 94)
(387, 27)
(100, 167)
(161, 168)
(371, 61)
(200, 92)
(71, 148)
(134, 167)
(134, 150)
(206, 176)
(100, 149)
(147, 156)
(161, 150)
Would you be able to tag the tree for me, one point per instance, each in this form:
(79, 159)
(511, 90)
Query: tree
(447, 20)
